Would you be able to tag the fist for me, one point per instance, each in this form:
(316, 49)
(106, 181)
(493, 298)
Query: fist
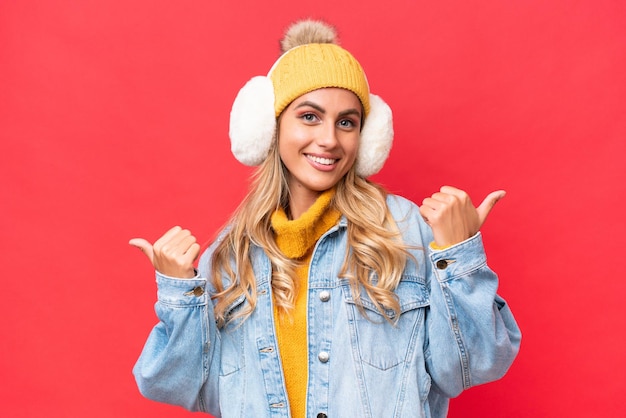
(173, 254)
(452, 215)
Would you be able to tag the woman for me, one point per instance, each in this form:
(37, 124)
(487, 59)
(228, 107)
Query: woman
(325, 296)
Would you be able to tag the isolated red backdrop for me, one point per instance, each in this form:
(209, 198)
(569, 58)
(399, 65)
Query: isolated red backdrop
(113, 124)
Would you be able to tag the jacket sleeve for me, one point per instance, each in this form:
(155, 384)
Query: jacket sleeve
(179, 360)
(471, 335)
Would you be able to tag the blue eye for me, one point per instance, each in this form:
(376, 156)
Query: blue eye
(309, 117)
(346, 123)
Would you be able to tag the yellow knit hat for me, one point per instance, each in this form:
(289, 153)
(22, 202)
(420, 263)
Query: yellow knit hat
(309, 67)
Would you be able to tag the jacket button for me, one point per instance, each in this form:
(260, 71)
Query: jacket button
(324, 295)
(323, 356)
(197, 292)
(322, 415)
(442, 264)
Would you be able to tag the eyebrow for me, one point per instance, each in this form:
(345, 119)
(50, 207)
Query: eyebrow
(323, 111)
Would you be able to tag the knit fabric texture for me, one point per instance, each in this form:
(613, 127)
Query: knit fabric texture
(309, 67)
(296, 239)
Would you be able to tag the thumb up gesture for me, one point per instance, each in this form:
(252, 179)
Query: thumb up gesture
(452, 215)
(173, 254)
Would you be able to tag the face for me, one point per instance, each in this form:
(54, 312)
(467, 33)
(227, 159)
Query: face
(318, 139)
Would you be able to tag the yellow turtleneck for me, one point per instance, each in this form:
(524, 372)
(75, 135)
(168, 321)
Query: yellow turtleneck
(296, 239)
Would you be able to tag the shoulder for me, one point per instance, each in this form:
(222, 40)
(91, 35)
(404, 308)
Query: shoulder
(204, 263)
(259, 260)
(401, 207)
(407, 216)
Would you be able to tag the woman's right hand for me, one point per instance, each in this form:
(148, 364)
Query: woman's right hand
(173, 254)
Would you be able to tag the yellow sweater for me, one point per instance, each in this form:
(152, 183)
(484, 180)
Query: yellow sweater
(296, 239)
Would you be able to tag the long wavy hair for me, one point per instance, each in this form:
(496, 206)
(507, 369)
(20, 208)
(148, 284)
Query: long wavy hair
(374, 261)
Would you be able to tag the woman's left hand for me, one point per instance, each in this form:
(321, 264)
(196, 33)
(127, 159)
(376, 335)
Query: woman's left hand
(452, 215)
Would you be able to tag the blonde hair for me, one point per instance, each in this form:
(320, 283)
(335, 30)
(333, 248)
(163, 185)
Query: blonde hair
(375, 257)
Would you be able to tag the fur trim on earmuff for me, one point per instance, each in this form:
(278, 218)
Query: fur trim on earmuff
(252, 121)
(376, 138)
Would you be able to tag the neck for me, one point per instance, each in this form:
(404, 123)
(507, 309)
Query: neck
(300, 200)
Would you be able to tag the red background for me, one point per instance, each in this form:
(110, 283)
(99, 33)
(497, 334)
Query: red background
(113, 124)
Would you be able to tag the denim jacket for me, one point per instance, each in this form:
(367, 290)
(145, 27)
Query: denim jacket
(453, 332)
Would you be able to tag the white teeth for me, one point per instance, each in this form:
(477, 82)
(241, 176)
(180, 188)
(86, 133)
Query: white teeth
(325, 161)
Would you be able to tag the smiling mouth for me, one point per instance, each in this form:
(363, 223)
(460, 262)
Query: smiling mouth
(320, 160)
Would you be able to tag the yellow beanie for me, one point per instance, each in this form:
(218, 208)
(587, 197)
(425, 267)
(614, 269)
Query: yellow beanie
(312, 66)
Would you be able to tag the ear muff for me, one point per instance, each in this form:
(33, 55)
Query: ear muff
(376, 138)
(253, 128)
(252, 121)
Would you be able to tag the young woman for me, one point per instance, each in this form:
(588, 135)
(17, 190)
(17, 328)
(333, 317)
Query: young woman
(325, 296)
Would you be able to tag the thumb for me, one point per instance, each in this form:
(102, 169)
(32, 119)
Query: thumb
(144, 246)
(490, 201)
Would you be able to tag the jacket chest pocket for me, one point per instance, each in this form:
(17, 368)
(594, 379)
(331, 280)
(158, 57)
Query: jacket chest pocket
(385, 344)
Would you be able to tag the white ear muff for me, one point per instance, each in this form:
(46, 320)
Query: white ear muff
(252, 121)
(376, 138)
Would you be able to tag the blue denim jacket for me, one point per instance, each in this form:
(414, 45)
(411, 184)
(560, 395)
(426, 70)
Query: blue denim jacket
(453, 332)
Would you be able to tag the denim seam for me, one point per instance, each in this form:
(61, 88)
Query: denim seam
(454, 323)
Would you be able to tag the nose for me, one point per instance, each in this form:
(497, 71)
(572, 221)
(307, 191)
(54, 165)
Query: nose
(327, 137)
